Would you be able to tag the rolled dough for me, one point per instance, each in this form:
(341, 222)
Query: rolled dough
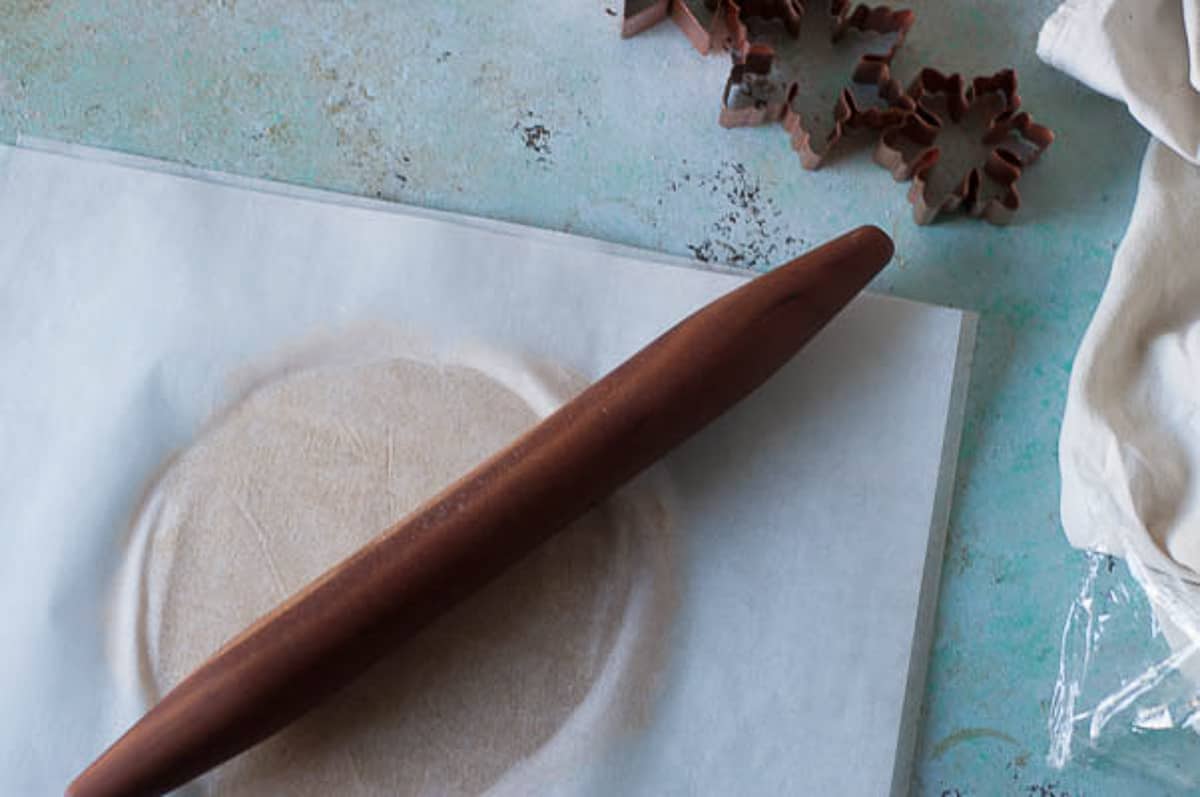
(529, 675)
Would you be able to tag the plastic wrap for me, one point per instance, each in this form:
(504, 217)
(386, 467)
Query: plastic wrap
(1128, 687)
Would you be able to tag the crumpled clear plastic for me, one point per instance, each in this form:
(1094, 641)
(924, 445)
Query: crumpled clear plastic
(1128, 687)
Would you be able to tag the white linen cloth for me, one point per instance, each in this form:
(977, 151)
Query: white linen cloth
(1130, 444)
(1145, 53)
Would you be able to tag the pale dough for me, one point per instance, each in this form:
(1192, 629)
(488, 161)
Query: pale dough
(308, 467)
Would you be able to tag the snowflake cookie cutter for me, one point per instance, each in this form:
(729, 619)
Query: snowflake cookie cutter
(907, 123)
(725, 27)
(746, 100)
(1013, 142)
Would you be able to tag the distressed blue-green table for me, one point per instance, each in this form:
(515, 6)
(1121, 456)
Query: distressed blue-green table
(539, 113)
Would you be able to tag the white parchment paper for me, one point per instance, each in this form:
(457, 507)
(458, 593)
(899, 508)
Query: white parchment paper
(810, 517)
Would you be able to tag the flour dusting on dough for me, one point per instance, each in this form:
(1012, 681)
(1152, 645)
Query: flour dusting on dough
(327, 447)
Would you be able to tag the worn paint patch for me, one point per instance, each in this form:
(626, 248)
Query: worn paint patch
(15, 9)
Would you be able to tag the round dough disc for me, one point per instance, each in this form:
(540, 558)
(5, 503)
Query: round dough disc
(309, 467)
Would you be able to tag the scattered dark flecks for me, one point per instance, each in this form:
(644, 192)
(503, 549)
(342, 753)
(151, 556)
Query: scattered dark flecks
(536, 137)
(443, 56)
(277, 133)
(1017, 765)
(962, 559)
(612, 12)
(747, 234)
(321, 70)
(584, 117)
(1046, 790)
(403, 179)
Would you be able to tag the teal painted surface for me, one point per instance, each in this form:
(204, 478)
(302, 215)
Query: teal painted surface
(553, 120)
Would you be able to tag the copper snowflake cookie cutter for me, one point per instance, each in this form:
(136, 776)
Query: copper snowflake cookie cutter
(747, 98)
(908, 123)
(1013, 141)
(744, 103)
(705, 35)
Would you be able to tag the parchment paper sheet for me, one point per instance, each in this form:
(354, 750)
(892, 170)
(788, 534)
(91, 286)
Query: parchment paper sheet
(810, 518)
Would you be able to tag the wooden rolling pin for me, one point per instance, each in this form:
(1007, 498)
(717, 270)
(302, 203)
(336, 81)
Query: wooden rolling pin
(339, 625)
